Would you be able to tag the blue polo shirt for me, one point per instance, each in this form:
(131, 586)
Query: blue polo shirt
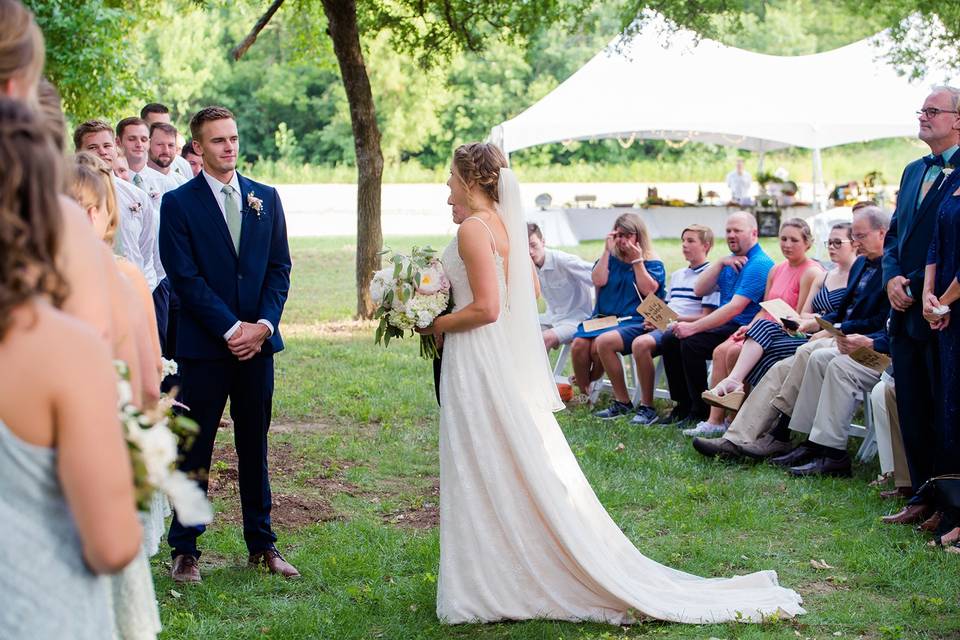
(750, 282)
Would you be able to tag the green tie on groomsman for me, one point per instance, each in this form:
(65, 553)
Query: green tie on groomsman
(231, 206)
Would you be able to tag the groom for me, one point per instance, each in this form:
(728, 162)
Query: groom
(223, 243)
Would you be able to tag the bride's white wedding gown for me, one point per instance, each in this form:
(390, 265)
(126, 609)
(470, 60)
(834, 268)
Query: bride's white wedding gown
(522, 534)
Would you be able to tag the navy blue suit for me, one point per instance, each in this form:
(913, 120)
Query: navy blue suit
(912, 344)
(216, 288)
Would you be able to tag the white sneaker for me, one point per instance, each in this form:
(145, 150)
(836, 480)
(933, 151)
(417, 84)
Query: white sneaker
(706, 430)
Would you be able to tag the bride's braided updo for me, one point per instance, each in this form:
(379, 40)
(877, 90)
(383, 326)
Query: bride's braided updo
(478, 165)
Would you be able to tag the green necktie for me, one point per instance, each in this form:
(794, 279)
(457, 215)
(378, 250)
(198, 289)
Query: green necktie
(137, 181)
(232, 207)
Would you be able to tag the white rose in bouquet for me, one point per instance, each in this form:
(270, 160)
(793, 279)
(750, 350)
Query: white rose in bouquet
(381, 283)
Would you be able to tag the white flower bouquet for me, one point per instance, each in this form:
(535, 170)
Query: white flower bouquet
(152, 438)
(410, 294)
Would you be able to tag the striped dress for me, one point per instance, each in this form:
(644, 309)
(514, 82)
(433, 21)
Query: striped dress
(778, 344)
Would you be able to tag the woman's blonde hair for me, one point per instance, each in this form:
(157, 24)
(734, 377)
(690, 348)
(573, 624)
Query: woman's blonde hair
(478, 164)
(632, 223)
(92, 185)
(22, 50)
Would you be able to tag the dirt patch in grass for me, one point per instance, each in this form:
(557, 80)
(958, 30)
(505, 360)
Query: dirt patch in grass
(820, 587)
(290, 510)
(424, 513)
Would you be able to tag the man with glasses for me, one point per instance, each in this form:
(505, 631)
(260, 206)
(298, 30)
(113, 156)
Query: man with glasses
(913, 345)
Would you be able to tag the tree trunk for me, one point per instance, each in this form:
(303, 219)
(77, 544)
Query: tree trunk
(342, 24)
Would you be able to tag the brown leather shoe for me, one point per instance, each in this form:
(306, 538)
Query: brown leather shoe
(718, 447)
(185, 569)
(930, 524)
(910, 514)
(274, 563)
(766, 447)
(897, 492)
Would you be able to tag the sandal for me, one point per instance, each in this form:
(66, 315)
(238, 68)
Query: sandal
(942, 541)
(728, 394)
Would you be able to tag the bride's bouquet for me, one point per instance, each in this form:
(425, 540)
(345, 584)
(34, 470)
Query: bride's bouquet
(152, 437)
(410, 294)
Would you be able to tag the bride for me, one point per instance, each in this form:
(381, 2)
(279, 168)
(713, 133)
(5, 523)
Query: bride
(522, 534)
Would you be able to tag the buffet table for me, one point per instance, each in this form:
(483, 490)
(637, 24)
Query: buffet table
(567, 227)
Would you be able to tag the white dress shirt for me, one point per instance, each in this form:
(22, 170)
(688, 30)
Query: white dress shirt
(739, 184)
(217, 188)
(567, 286)
(182, 168)
(155, 184)
(138, 229)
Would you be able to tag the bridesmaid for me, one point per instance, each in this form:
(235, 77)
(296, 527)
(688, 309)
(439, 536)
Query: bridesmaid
(68, 503)
(941, 291)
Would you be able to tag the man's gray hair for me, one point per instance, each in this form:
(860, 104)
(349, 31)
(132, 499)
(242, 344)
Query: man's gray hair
(954, 94)
(879, 219)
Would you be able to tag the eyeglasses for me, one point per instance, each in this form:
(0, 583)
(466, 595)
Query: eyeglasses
(835, 242)
(624, 235)
(932, 112)
(859, 237)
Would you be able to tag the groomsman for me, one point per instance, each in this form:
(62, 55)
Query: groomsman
(192, 157)
(137, 237)
(223, 240)
(163, 150)
(155, 113)
(913, 345)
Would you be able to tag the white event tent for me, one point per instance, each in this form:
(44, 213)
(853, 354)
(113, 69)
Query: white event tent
(664, 84)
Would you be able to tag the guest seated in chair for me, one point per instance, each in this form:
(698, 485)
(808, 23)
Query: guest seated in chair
(740, 278)
(567, 286)
(790, 281)
(627, 271)
(817, 390)
(695, 242)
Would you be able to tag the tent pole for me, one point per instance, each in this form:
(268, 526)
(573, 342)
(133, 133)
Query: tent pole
(760, 161)
(817, 179)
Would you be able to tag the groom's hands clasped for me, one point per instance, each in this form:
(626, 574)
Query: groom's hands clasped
(247, 340)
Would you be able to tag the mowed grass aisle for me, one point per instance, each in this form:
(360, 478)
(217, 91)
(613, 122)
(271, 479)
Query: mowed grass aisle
(354, 468)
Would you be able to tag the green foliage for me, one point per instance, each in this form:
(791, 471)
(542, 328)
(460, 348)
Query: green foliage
(432, 91)
(92, 54)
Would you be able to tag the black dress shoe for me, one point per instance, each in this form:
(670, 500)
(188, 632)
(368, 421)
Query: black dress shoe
(799, 456)
(717, 447)
(824, 466)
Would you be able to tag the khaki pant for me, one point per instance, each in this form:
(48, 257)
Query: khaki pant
(833, 386)
(886, 422)
(777, 393)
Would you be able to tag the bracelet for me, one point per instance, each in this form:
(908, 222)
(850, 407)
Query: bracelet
(636, 261)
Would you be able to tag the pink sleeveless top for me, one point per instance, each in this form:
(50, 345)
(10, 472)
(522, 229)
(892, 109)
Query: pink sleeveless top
(786, 283)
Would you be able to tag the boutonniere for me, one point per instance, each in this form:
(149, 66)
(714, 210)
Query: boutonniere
(947, 170)
(254, 204)
(154, 194)
(136, 208)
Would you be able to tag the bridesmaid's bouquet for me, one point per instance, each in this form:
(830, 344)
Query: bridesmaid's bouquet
(410, 294)
(152, 440)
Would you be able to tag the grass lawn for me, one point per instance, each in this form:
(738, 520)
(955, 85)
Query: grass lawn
(354, 469)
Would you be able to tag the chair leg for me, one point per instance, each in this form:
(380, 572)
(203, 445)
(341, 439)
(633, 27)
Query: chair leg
(561, 363)
(868, 448)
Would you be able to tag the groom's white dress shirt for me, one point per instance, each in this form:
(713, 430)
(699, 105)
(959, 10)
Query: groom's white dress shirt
(217, 188)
